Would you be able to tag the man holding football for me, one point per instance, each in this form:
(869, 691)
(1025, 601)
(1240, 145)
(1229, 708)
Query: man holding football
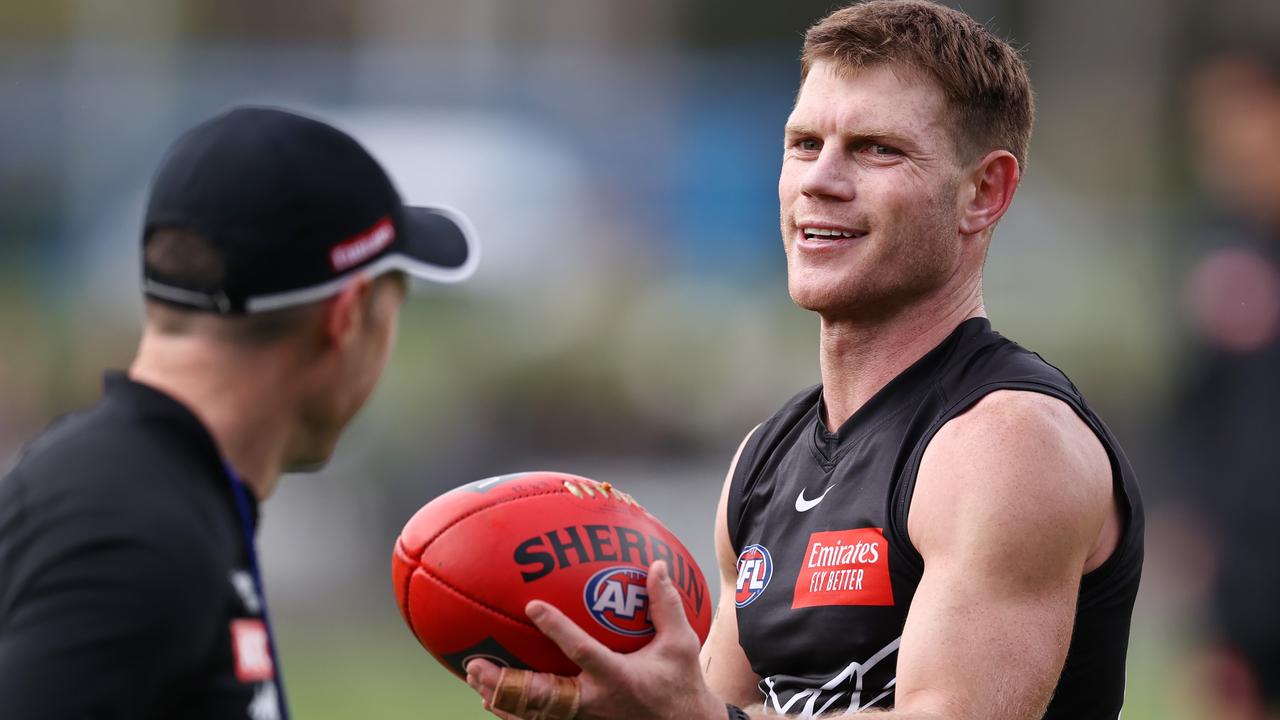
(942, 528)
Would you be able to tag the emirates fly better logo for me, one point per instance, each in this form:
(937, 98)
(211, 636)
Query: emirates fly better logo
(755, 567)
(845, 567)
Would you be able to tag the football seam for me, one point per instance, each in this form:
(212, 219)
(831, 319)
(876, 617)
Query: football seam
(469, 513)
(448, 586)
(408, 581)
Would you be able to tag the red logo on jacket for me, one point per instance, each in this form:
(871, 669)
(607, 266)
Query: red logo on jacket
(251, 647)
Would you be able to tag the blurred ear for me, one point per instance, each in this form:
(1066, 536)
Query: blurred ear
(989, 191)
(345, 313)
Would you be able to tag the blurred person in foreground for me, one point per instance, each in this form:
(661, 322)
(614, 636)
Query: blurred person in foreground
(942, 528)
(275, 251)
(1227, 414)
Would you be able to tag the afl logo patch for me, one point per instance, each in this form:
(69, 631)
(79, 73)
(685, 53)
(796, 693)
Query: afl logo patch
(617, 598)
(755, 567)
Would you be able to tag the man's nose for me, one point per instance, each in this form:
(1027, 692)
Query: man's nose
(831, 175)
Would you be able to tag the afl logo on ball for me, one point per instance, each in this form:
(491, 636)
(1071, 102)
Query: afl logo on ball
(755, 567)
(616, 597)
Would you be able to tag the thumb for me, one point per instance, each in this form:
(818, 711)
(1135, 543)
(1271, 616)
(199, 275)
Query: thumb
(666, 609)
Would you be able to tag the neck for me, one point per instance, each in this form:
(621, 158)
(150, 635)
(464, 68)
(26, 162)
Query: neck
(859, 356)
(236, 394)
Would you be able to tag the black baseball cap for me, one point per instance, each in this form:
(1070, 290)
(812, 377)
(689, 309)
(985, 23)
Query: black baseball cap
(294, 207)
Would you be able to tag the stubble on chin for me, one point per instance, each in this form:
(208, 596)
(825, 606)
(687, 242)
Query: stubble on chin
(890, 279)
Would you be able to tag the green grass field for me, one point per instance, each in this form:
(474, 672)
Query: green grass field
(367, 670)
(374, 669)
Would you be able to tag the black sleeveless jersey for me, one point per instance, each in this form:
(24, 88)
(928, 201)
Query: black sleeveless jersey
(826, 571)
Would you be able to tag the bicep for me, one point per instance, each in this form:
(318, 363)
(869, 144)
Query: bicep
(724, 664)
(976, 647)
(104, 622)
(1009, 501)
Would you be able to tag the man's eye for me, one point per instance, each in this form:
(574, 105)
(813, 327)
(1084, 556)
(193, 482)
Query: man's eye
(879, 149)
(808, 145)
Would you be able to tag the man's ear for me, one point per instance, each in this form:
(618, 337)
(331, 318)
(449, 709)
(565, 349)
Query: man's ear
(345, 313)
(990, 190)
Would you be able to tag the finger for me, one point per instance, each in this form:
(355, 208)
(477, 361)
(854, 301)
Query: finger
(585, 651)
(482, 676)
(536, 695)
(483, 668)
(500, 714)
(512, 692)
(488, 706)
(666, 609)
(565, 699)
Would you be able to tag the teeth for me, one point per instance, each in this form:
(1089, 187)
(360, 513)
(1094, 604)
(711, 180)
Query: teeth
(826, 232)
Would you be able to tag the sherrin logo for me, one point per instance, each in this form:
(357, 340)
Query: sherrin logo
(755, 567)
(618, 599)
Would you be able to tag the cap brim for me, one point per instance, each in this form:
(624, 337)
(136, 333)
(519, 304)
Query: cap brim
(437, 244)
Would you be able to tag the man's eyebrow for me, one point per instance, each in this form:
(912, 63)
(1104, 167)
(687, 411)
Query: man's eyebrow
(799, 129)
(878, 134)
(862, 135)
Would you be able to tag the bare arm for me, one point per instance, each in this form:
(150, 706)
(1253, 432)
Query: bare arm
(1013, 503)
(724, 664)
(1012, 500)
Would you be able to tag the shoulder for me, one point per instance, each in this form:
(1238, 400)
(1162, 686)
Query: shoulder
(766, 437)
(994, 358)
(1011, 421)
(95, 484)
(795, 407)
(1015, 467)
(104, 517)
(780, 423)
(101, 455)
(98, 568)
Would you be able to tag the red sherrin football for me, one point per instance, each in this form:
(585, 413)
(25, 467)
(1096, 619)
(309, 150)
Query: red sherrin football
(467, 563)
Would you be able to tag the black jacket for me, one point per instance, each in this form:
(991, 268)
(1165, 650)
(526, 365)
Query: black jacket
(128, 583)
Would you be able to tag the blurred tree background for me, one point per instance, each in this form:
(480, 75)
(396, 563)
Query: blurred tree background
(629, 320)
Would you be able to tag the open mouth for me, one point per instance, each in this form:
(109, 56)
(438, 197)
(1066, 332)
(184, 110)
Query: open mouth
(816, 233)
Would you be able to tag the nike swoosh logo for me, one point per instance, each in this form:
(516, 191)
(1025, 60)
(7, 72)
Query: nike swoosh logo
(804, 504)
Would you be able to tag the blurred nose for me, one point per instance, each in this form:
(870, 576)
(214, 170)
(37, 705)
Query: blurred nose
(830, 176)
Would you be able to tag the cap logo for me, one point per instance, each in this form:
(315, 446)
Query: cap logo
(353, 251)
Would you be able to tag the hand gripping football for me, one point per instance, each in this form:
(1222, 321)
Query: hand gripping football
(466, 564)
